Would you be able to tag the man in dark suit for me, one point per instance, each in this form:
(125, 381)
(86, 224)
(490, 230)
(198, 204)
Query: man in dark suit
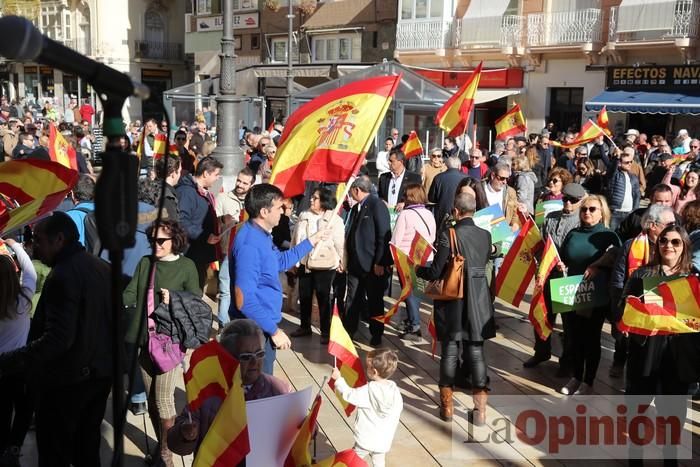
(392, 185)
(442, 191)
(369, 259)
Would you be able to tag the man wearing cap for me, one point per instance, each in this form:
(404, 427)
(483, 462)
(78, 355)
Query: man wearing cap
(557, 225)
(631, 136)
(683, 141)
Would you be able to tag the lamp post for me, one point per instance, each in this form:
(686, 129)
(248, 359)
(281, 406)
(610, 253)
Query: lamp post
(227, 151)
(290, 71)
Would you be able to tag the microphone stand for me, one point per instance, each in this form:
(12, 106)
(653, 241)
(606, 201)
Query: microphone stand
(116, 214)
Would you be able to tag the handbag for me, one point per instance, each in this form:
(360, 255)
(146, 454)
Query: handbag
(323, 256)
(451, 285)
(165, 354)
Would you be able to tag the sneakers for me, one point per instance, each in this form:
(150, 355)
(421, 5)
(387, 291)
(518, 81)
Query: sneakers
(536, 360)
(616, 370)
(570, 387)
(584, 390)
(138, 408)
(411, 333)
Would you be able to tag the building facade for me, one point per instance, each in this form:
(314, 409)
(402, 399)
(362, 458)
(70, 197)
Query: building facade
(142, 38)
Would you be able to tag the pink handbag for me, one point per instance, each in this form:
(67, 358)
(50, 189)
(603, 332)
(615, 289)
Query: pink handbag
(165, 354)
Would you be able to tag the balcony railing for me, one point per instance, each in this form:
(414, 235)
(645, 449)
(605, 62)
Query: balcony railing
(492, 32)
(82, 46)
(158, 50)
(513, 31)
(685, 24)
(564, 28)
(425, 35)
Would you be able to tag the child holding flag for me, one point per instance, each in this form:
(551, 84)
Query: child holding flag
(379, 405)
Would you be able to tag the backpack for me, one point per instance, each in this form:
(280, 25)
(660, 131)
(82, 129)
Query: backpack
(89, 228)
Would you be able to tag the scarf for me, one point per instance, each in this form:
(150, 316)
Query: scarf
(638, 255)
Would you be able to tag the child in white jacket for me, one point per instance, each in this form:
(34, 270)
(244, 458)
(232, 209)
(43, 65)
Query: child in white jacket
(379, 405)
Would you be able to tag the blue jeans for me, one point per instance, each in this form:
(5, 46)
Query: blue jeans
(270, 356)
(617, 218)
(413, 310)
(224, 292)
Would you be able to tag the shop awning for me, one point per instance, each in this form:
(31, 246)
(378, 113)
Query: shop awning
(645, 102)
(489, 95)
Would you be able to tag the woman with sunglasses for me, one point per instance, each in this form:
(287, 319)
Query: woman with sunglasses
(244, 340)
(173, 272)
(558, 178)
(662, 364)
(587, 177)
(583, 246)
(436, 166)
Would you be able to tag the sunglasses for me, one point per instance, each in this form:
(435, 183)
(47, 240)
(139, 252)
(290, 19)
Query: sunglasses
(570, 199)
(247, 356)
(436, 155)
(180, 138)
(502, 179)
(159, 241)
(590, 209)
(675, 242)
(582, 154)
(625, 162)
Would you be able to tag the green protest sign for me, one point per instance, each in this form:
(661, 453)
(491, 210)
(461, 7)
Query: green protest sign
(573, 293)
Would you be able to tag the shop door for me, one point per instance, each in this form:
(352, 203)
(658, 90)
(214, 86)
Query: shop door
(565, 108)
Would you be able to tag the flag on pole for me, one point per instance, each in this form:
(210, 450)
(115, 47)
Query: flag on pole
(32, 188)
(538, 306)
(412, 146)
(160, 146)
(341, 347)
(328, 138)
(214, 372)
(299, 455)
(589, 132)
(603, 121)
(421, 250)
(405, 272)
(511, 124)
(454, 115)
(649, 319)
(347, 458)
(141, 147)
(518, 266)
(60, 150)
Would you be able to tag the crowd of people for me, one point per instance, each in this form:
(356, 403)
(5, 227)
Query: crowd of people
(55, 352)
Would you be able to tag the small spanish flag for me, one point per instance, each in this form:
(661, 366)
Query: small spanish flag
(421, 250)
(511, 124)
(649, 319)
(518, 266)
(160, 146)
(405, 272)
(681, 295)
(538, 306)
(589, 132)
(347, 458)
(60, 150)
(453, 117)
(412, 146)
(299, 455)
(603, 121)
(348, 362)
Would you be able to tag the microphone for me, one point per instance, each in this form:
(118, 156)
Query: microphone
(29, 44)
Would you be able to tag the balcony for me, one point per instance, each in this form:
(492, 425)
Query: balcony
(496, 32)
(151, 50)
(662, 23)
(562, 29)
(425, 35)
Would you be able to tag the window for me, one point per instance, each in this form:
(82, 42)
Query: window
(337, 47)
(422, 9)
(203, 7)
(255, 42)
(278, 50)
(155, 27)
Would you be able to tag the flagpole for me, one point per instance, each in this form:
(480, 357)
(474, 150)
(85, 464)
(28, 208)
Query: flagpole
(604, 134)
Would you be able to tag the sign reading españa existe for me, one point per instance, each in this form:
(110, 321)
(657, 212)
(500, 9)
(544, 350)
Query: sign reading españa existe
(653, 77)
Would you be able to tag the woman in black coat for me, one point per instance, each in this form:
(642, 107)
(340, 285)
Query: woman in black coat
(469, 321)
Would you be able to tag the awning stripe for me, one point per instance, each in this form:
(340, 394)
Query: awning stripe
(645, 102)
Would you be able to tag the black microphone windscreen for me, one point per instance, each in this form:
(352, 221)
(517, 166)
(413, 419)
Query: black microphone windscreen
(24, 41)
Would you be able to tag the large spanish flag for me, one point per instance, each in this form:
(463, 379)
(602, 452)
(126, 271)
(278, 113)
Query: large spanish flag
(538, 305)
(649, 319)
(348, 362)
(35, 188)
(412, 146)
(60, 150)
(589, 132)
(299, 455)
(454, 115)
(518, 266)
(327, 139)
(511, 124)
(214, 372)
(405, 272)
(347, 458)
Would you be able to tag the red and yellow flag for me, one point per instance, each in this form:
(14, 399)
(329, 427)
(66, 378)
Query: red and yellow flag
(405, 272)
(142, 144)
(299, 455)
(639, 254)
(35, 188)
(603, 121)
(412, 146)
(589, 132)
(518, 266)
(160, 146)
(538, 306)
(347, 458)
(511, 124)
(60, 150)
(327, 139)
(453, 117)
(214, 372)
(649, 319)
(348, 362)
(682, 296)
(421, 250)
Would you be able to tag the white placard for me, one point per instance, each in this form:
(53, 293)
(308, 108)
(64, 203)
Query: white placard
(240, 21)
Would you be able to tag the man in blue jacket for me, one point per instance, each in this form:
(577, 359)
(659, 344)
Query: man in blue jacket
(623, 187)
(255, 265)
(198, 216)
